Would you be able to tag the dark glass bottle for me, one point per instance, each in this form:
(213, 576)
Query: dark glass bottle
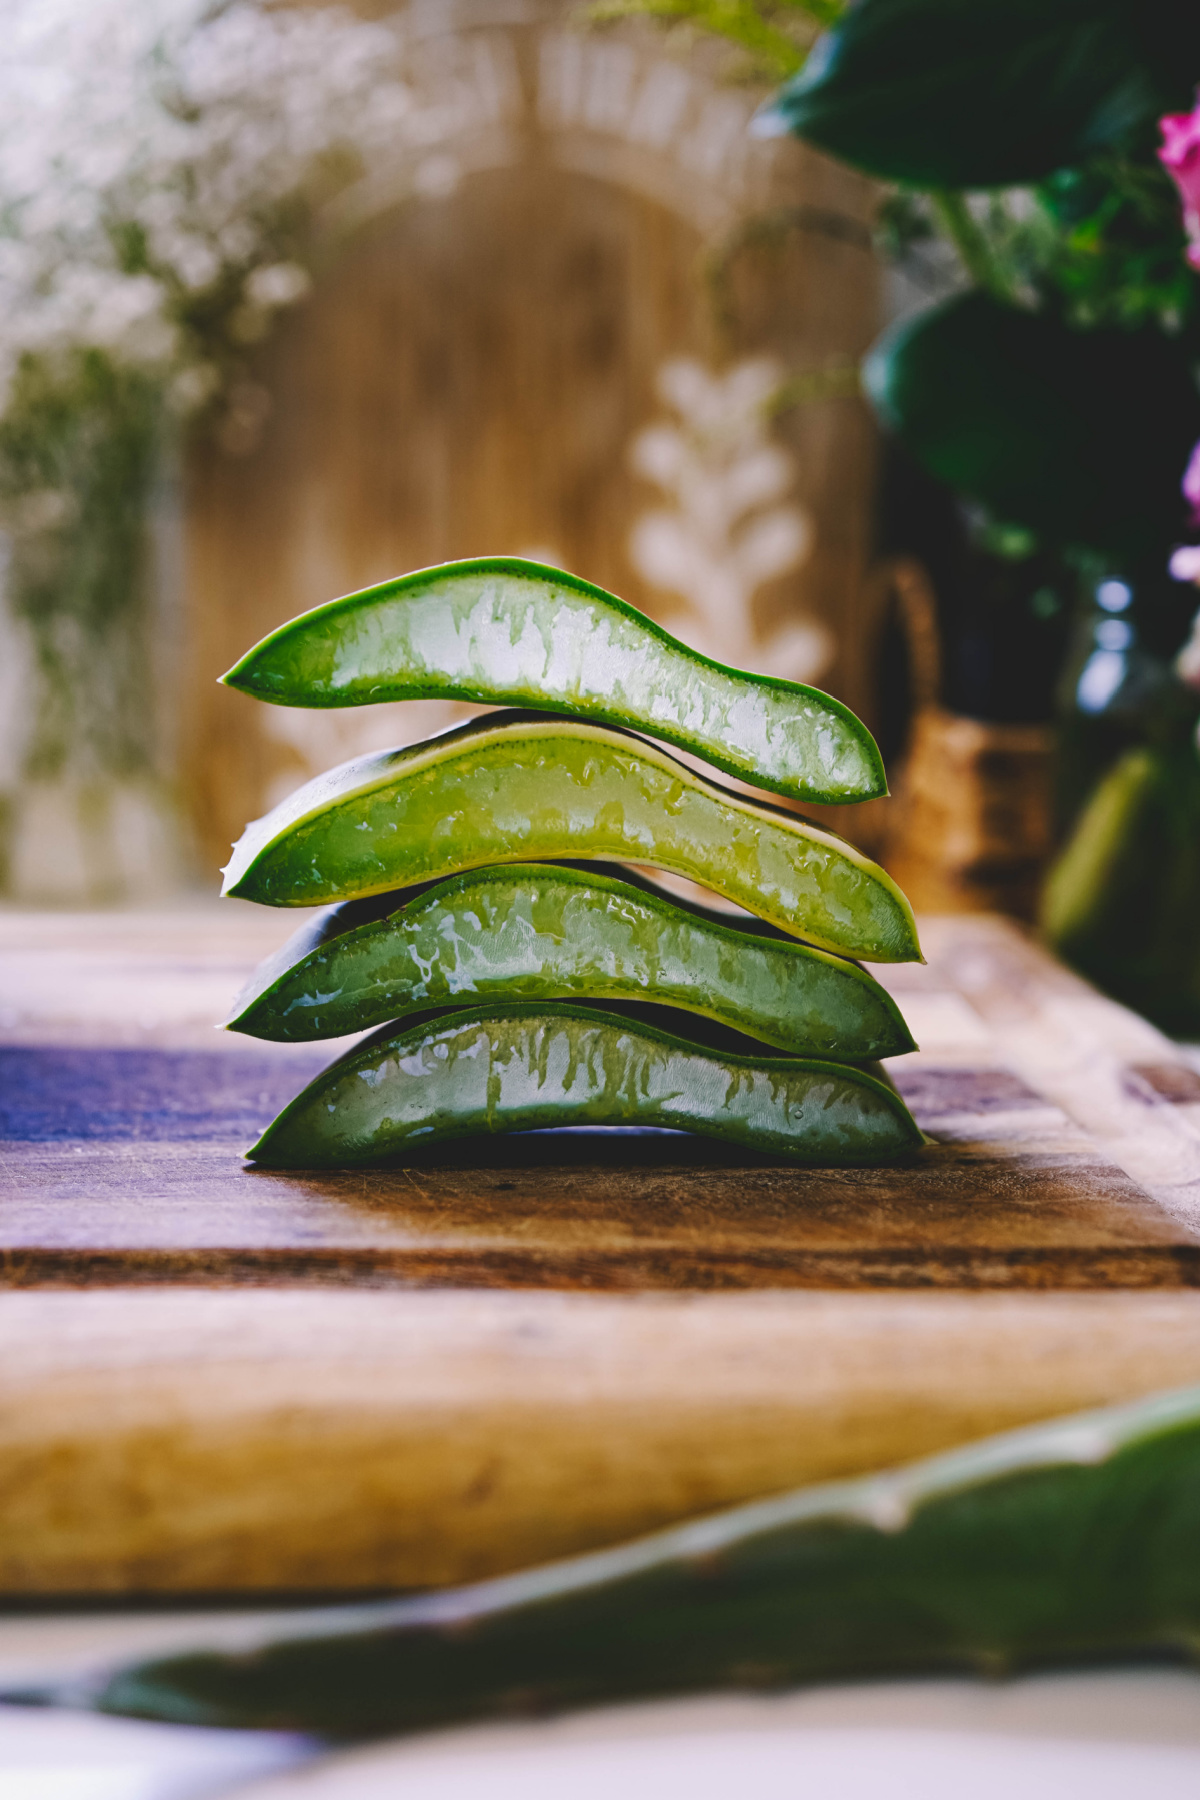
(1122, 903)
(1119, 689)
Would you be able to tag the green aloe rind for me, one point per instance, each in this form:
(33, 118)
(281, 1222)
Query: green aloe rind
(535, 932)
(1062, 1543)
(520, 787)
(529, 1066)
(504, 631)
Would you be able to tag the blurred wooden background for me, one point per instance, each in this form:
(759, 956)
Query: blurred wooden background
(471, 374)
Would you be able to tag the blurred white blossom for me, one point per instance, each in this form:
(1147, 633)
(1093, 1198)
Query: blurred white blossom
(1185, 563)
(162, 167)
(153, 155)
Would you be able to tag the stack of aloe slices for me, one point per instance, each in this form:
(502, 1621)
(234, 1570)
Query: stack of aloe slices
(474, 914)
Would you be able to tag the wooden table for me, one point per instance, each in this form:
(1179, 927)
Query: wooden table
(217, 1380)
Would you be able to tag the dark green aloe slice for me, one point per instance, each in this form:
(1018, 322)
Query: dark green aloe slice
(529, 1066)
(536, 932)
(1065, 1543)
(521, 787)
(508, 632)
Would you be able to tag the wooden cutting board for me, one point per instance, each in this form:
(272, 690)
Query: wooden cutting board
(492, 1356)
(1065, 1148)
(142, 1180)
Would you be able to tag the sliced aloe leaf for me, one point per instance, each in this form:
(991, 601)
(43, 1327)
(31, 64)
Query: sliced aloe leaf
(528, 1066)
(534, 932)
(509, 632)
(521, 787)
(1062, 1543)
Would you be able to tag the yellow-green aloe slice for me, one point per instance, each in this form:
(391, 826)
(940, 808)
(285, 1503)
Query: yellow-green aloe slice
(509, 632)
(521, 787)
(529, 1066)
(536, 932)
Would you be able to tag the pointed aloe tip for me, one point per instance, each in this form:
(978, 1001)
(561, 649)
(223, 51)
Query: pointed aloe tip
(259, 1151)
(33, 1696)
(239, 675)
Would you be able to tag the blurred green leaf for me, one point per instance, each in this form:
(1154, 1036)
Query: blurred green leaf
(1121, 902)
(79, 442)
(1080, 436)
(981, 93)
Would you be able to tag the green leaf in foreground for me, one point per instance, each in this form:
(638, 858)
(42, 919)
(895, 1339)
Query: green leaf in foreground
(529, 1066)
(985, 93)
(503, 631)
(1043, 424)
(527, 788)
(1063, 1543)
(536, 932)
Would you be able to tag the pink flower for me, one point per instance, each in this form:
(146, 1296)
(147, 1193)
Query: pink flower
(1180, 157)
(1191, 484)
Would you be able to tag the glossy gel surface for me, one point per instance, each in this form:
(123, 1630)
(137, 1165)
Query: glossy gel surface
(525, 1067)
(508, 632)
(521, 788)
(533, 932)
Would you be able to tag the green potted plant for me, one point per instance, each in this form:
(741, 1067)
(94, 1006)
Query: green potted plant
(1124, 897)
(1047, 387)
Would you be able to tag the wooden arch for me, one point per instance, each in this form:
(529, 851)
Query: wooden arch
(474, 362)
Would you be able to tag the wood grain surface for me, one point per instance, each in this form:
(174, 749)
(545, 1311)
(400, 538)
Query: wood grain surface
(121, 1161)
(192, 1441)
(1010, 1195)
(223, 1381)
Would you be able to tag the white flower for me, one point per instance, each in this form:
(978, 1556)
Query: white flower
(147, 148)
(278, 284)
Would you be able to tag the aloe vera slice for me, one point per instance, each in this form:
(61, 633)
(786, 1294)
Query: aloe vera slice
(1060, 1543)
(527, 1066)
(534, 932)
(521, 787)
(509, 632)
